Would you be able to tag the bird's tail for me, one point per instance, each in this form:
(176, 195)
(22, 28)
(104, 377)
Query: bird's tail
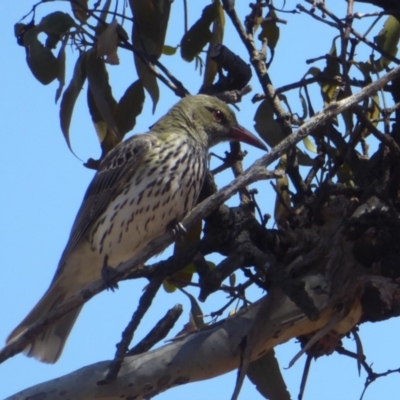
(47, 347)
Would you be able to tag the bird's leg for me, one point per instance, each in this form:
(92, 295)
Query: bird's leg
(108, 273)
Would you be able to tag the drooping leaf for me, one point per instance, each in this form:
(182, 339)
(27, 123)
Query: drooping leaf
(331, 72)
(179, 279)
(345, 175)
(70, 96)
(309, 145)
(79, 8)
(272, 132)
(101, 23)
(107, 44)
(387, 39)
(190, 237)
(44, 65)
(100, 125)
(373, 113)
(266, 126)
(194, 40)
(304, 159)
(57, 22)
(169, 50)
(151, 18)
(56, 25)
(270, 31)
(41, 61)
(129, 107)
(196, 314)
(266, 375)
(313, 71)
(148, 35)
(104, 101)
(61, 68)
(211, 67)
(304, 107)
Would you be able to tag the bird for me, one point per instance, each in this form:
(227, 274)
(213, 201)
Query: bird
(141, 187)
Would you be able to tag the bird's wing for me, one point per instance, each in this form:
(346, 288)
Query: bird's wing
(114, 172)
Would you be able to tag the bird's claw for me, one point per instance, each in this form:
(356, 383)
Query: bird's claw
(108, 274)
(177, 229)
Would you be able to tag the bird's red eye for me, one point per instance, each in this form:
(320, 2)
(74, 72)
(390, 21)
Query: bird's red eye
(218, 116)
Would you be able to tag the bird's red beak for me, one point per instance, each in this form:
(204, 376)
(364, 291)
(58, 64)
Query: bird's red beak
(243, 135)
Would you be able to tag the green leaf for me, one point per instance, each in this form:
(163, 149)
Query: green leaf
(101, 92)
(270, 30)
(179, 279)
(309, 145)
(56, 26)
(194, 40)
(57, 22)
(345, 175)
(196, 314)
(304, 159)
(148, 36)
(79, 8)
(70, 96)
(387, 39)
(41, 61)
(169, 50)
(99, 124)
(313, 71)
(101, 25)
(185, 275)
(272, 132)
(266, 126)
(107, 43)
(129, 107)
(211, 67)
(266, 375)
(365, 69)
(372, 112)
(61, 68)
(304, 107)
(331, 72)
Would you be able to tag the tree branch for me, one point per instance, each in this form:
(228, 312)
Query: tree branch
(201, 355)
(255, 173)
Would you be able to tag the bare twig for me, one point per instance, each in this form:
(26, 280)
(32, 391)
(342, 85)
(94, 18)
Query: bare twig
(321, 6)
(159, 332)
(144, 304)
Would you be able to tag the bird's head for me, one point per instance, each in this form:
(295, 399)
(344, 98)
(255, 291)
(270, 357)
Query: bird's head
(209, 121)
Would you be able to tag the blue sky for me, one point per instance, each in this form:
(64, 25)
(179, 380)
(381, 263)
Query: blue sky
(43, 185)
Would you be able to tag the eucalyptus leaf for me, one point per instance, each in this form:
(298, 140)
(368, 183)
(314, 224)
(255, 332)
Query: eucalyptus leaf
(267, 377)
(194, 40)
(211, 67)
(100, 89)
(148, 36)
(129, 107)
(387, 39)
(70, 96)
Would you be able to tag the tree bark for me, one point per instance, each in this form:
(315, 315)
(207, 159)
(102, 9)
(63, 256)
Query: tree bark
(202, 355)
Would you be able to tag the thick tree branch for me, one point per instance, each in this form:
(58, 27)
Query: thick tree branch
(202, 355)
